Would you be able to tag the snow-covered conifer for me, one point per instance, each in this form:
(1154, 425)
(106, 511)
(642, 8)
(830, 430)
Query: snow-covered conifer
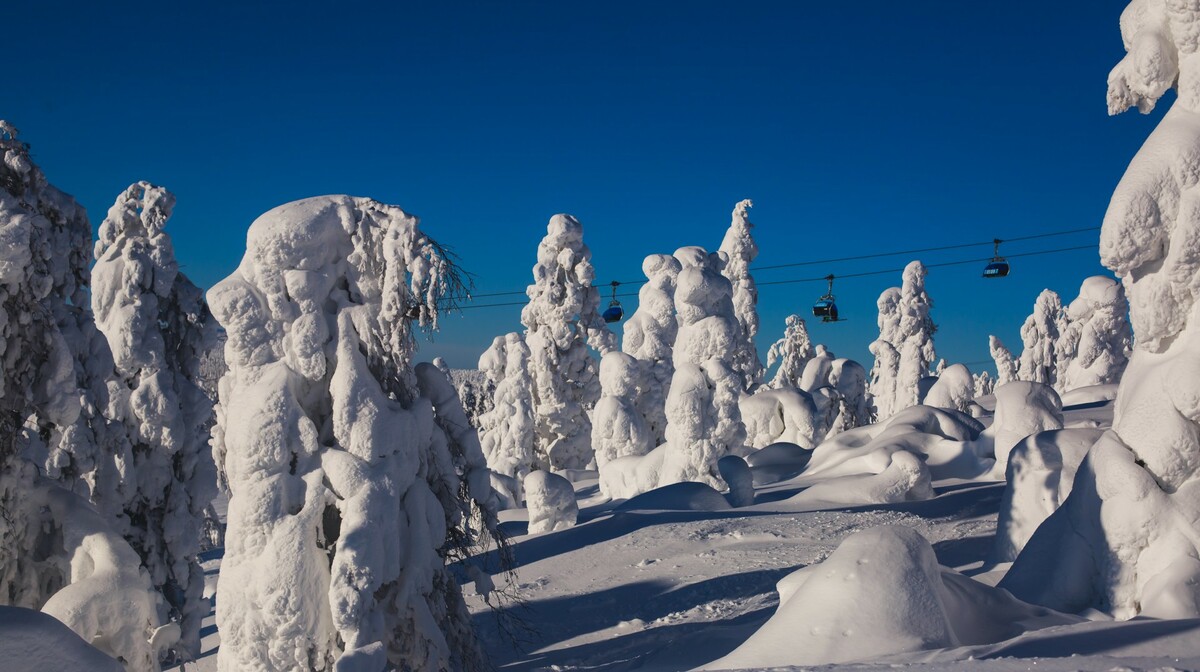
(649, 335)
(703, 419)
(740, 250)
(507, 432)
(915, 336)
(792, 352)
(561, 320)
(1125, 539)
(551, 500)
(158, 328)
(984, 384)
(886, 368)
(954, 389)
(1006, 365)
(347, 483)
(618, 428)
(1097, 340)
(1040, 334)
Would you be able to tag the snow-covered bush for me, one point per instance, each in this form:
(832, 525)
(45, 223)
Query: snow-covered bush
(1124, 540)
(792, 352)
(1006, 365)
(1041, 471)
(551, 501)
(507, 432)
(348, 485)
(881, 592)
(618, 429)
(740, 250)
(561, 320)
(703, 420)
(1022, 408)
(1040, 334)
(649, 335)
(1096, 342)
(159, 329)
(954, 389)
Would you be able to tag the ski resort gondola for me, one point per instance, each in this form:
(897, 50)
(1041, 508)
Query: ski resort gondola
(614, 312)
(826, 307)
(998, 266)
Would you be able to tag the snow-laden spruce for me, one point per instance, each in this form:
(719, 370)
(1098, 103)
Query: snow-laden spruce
(649, 335)
(1097, 340)
(792, 352)
(1125, 539)
(507, 432)
(158, 328)
(1040, 334)
(62, 552)
(703, 420)
(351, 474)
(740, 250)
(904, 350)
(561, 321)
(618, 428)
(1006, 365)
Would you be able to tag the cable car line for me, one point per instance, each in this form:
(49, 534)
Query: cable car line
(815, 262)
(826, 278)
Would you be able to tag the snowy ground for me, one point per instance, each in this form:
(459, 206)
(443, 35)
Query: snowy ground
(670, 590)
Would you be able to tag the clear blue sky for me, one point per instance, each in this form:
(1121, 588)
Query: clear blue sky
(856, 127)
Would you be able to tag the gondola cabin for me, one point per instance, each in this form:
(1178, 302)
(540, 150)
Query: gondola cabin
(825, 309)
(614, 313)
(996, 269)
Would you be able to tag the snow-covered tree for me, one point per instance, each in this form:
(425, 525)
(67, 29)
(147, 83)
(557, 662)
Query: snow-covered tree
(1095, 345)
(984, 384)
(561, 320)
(1006, 365)
(703, 420)
(954, 389)
(792, 352)
(649, 335)
(60, 551)
(915, 337)
(159, 328)
(740, 250)
(849, 379)
(507, 432)
(618, 428)
(1040, 334)
(1125, 539)
(349, 471)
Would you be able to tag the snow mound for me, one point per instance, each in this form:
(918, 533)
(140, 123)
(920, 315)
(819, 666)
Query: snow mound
(684, 496)
(777, 462)
(551, 501)
(788, 414)
(737, 475)
(906, 479)
(881, 592)
(1022, 408)
(1088, 395)
(954, 389)
(36, 642)
(950, 442)
(632, 475)
(1041, 469)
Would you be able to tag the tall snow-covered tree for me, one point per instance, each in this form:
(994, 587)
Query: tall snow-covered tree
(1040, 334)
(348, 471)
(886, 368)
(507, 431)
(61, 552)
(619, 429)
(1006, 365)
(792, 352)
(740, 250)
(1094, 348)
(1125, 539)
(704, 422)
(915, 336)
(159, 328)
(561, 320)
(649, 335)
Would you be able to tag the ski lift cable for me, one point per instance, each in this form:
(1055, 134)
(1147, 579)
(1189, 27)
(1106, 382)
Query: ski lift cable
(815, 262)
(825, 278)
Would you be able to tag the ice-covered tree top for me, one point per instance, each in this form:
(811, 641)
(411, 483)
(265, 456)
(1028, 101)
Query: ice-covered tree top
(562, 298)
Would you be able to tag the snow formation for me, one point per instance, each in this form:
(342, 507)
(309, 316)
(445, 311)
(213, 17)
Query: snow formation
(508, 432)
(739, 249)
(1040, 334)
(1096, 343)
(792, 352)
(649, 335)
(561, 321)
(1125, 540)
(159, 329)
(618, 428)
(1022, 408)
(1006, 364)
(350, 473)
(551, 500)
(954, 389)
(904, 350)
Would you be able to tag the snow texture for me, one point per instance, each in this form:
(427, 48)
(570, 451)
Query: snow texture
(792, 352)
(1094, 348)
(904, 350)
(159, 329)
(954, 389)
(35, 642)
(561, 321)
(1040, 334)
(1022, 408)
(703, 420)
(905, 479)
(1125, 540)
(349, 471)
(736, 473)
(786, 414)
(1006, 365)
(551, 500)
(739, 250)
(618, 428)
(649, 335)
(881, 592)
